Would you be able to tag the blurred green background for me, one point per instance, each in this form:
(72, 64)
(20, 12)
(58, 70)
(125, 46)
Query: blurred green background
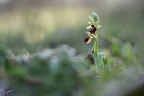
(31, 26)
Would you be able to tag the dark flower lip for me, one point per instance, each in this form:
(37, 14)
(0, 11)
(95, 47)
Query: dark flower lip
(93, 30)
(88, 40)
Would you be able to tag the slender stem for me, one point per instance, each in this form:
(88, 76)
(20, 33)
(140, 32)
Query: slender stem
(95, 46)
(95, 43)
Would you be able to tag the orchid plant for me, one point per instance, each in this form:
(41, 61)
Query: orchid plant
(93, 34)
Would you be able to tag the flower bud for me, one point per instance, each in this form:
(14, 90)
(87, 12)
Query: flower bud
(95, 16)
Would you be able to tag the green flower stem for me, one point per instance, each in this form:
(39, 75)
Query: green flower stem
(95, 48)
(95, 55)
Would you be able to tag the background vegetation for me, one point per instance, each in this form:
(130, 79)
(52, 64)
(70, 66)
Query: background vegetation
(34, 61)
